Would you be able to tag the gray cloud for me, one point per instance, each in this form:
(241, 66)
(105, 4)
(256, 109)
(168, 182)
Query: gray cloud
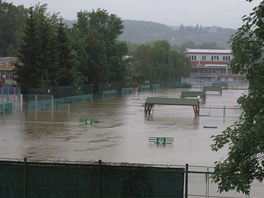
(224, 13)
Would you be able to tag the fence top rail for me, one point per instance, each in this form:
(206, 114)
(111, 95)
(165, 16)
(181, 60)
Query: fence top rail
(88, 163)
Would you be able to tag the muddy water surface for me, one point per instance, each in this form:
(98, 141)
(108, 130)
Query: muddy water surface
(120, 131)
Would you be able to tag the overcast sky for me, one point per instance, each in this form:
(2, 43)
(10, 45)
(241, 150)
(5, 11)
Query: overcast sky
(224, 13)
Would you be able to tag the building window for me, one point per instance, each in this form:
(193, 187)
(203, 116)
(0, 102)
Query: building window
(193, 57)
(203, 57)
(214, 58)
(226, 58)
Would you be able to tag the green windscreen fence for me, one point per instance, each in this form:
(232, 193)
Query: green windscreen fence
(57, 180)
(135, 182)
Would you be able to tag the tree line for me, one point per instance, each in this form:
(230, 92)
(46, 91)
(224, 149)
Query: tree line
(52, 54)
(159, 62)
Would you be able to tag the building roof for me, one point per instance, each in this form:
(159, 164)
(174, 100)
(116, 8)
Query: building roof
(7, 59)
(7, 63)
(208, 51)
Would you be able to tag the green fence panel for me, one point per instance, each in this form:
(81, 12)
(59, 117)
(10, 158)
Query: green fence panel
(147, 182)
(11, 180)
(144, 88)
(179, 85)
(58, 180)
(156, 87)
(5, 108)
(40, 104)
(109, 93)
(61, 181)
(127, 90)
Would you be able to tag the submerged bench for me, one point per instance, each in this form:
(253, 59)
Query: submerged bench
(220, 84)
(215, 88)
(151, 101)
(194, 94)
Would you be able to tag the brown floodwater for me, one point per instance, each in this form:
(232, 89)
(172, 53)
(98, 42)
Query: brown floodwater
(120, 131)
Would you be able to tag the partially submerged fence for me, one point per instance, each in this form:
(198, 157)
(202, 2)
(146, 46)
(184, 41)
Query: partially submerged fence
(10, 99)
(220, 111)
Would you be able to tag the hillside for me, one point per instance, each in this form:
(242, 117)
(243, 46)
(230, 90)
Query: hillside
(143, 31)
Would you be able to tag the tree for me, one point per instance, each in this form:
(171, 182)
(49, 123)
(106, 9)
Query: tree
(12, 20)
(38, 53)
(25, 72)
(100, 54)
(67, 58)
(45, 53)
(158, 62)
(245, 139)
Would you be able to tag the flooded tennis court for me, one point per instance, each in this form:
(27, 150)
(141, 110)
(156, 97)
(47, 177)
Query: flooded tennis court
(120, 130)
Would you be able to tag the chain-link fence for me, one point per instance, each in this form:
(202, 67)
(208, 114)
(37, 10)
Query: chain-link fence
(58, 98)
(10, 99)
(220, 111)
(200, 184)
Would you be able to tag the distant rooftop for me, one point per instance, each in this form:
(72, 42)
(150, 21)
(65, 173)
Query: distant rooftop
(7, 59)
(209, 51)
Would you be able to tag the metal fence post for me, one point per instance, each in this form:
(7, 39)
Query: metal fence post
(99, 178)
(25, 179)
(8, 94)
(52, 107)
(21, 102)
(36, 106)
(186, 180)
(207, 182)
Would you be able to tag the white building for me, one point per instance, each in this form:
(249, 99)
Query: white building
(212, 64)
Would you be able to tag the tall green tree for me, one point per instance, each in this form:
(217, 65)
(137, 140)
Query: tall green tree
(100, 54)
(245, 139)
(12, 19)
(26, 70)
(38, 50)
(158, 62)
(45, 52)
(66, 74)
